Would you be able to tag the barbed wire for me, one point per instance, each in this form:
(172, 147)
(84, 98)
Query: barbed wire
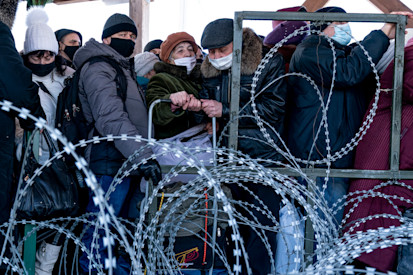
(149, 241)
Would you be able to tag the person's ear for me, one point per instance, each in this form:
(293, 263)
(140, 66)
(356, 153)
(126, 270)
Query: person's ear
(107, 40)
(61, 46)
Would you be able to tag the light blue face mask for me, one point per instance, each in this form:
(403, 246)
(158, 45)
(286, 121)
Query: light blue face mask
(342, 34)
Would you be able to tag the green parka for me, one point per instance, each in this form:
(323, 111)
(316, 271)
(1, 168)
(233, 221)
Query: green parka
(170, 79)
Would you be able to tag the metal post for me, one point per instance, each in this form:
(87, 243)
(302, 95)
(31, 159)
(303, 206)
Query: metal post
(309, 229)
(236, 81)
(29, 251)
(214, 138)
(29, 248)
(150, 115)
(397, 94)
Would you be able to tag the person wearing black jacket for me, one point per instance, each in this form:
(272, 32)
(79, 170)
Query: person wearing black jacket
(347, 103)
(270, 105)
(17, 87)
(69, 42)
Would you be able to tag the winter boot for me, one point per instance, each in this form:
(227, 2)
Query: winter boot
(46, 257)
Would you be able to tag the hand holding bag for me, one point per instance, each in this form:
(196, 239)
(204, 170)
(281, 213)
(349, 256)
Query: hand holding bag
(53, 193)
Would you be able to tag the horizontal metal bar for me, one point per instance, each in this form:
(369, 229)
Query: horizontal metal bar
(321, 16)
(320, 172)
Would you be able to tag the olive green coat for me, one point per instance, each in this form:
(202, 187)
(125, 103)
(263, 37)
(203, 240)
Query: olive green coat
(170, 79)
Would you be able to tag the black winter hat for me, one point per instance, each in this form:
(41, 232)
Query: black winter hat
(118, 23)
(63, 32)
(154, 44)
(320, 26)
(218, 33)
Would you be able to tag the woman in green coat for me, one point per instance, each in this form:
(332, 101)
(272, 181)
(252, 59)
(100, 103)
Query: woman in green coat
(177, 78)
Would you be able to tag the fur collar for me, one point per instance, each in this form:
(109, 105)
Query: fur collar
(8, 10)
(178, 71)
(251, 56)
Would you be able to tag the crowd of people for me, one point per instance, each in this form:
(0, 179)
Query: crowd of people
(197, 80)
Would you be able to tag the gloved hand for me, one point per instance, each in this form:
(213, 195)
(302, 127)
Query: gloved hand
(151, 170)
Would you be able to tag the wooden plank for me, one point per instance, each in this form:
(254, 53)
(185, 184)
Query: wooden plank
(139, 12)
(313, 5)
(62, 2)
(387, 6)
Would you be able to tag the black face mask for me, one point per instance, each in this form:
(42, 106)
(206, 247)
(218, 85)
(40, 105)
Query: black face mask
(123, 46)
(70, 51)
(41, 69)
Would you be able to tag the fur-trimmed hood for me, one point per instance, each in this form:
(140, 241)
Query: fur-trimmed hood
(251, 55)
(8, 10)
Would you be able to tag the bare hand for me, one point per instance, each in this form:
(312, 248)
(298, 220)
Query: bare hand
(209, 129)
(194, 104)
(212, 108)
(389, 29)
(179, 99)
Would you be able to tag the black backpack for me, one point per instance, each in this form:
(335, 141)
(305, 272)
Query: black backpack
(70, 119)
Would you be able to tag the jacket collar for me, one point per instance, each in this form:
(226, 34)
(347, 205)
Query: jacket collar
(178, 71)
(93, 48)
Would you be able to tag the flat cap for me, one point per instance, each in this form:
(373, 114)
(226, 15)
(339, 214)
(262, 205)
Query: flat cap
(218, 33)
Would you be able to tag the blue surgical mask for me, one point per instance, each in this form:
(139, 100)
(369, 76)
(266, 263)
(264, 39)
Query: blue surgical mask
(342, 34)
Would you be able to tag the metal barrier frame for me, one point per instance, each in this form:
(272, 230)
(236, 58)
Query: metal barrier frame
(400, 20)
(394, 172)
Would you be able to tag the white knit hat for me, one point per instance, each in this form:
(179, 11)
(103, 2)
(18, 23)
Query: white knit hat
(39, 36)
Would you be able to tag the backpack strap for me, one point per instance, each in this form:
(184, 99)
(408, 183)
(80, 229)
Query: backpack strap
(44, 89)
(120, 78)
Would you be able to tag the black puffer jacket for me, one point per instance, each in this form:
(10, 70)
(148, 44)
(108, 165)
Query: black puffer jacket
(17, 87)
(270, 103)
(348, 101)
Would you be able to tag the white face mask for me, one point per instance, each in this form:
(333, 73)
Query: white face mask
(188, 62)
(223, 63)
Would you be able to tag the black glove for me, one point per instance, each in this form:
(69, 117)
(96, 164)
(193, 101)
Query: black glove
(151, 170)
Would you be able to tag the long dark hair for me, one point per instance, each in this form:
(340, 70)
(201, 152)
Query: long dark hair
(59, 61)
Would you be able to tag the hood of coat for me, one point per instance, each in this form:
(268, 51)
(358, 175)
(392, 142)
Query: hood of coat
(93, 48)
(251, 55)
(178, 71)
(8, 10)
